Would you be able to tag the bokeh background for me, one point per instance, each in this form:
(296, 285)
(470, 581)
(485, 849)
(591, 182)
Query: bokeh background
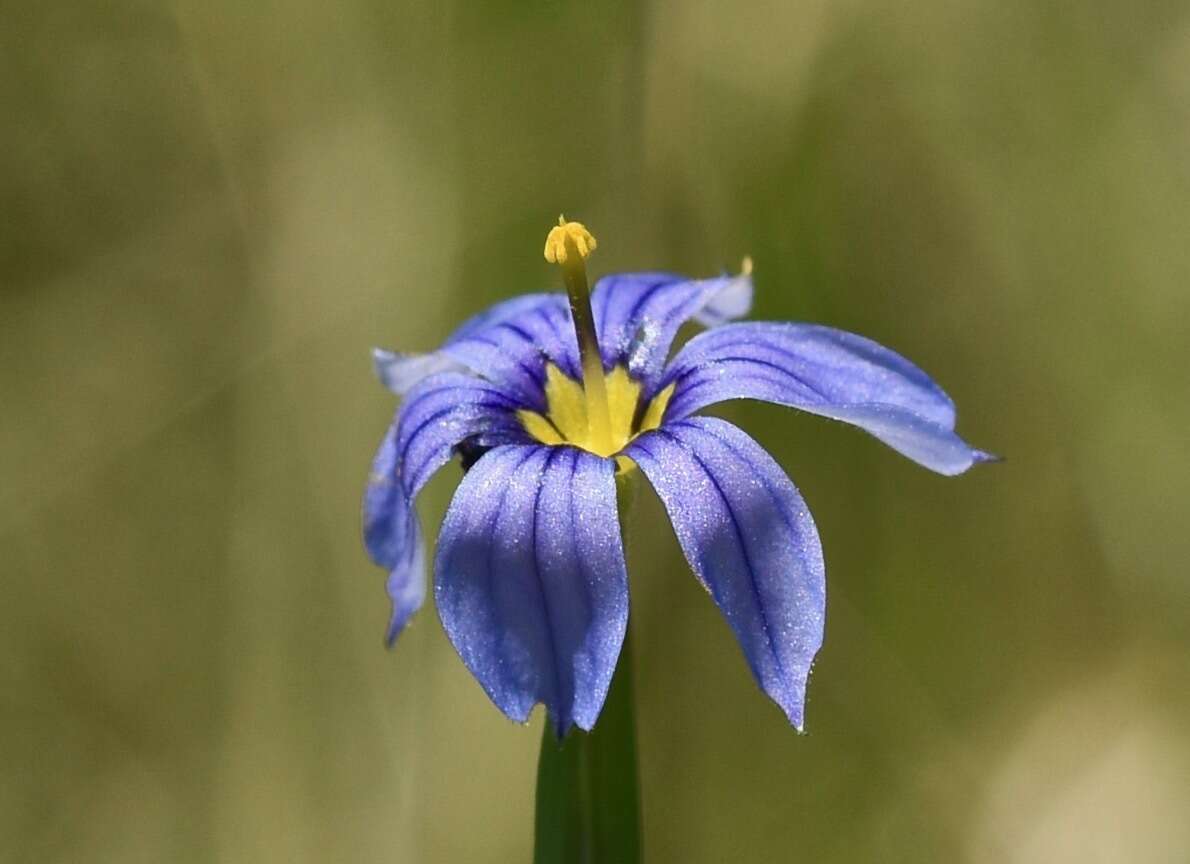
(209, 213)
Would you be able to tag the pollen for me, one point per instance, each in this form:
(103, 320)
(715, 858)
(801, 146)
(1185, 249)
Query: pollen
(568, 234)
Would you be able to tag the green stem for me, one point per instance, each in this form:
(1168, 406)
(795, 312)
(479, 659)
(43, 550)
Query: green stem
(588, 807)
(588, 799)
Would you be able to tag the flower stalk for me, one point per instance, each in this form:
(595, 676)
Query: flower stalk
(588, 807)
(588, 798)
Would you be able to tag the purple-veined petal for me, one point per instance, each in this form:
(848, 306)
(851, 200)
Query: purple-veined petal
(438, 414)
(827, 372)
(637, 315)
(530, 580)
(512, 352)
(384, 543)
(750, 539)
(508, 344)
(444, 410)
(400, 373)
(511, 309)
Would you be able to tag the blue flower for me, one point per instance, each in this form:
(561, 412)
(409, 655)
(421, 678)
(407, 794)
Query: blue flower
(546, 397)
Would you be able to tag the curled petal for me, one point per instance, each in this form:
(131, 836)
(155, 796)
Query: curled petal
(439, 413)
(637, 315)
(530, 580)
(750, 539)
(391, 535)
(827, 372)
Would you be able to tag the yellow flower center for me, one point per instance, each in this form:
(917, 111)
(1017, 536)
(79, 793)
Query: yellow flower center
(565, 420)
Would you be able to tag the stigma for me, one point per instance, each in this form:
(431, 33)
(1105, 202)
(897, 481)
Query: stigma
(564, 234)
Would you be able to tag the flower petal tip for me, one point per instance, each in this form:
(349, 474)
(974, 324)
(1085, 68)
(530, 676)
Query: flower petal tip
(794, 710)
(382, 359)
(732, 299)
(403, 611)
(980, 456)
(562, 728)
(395, 628)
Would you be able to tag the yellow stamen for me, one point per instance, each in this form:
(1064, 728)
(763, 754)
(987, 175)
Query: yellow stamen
(568, 245)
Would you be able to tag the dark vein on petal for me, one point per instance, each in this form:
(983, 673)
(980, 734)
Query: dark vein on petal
(755, 590)
(710, 362)
(535, 375)
(584, 571)
(559, 693)
(405, 444)
(488, 533)
(747, 459)
(876, 357)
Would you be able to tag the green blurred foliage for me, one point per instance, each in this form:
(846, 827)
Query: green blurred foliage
(209, 212)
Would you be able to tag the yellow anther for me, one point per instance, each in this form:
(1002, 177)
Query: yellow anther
(566, 234)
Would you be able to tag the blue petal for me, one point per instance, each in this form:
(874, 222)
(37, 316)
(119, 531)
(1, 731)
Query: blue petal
(530, 580)
(637, 315)
(438, 414)
(501, 313)
(400, 373)
(507, 344)
(823, 371)
(750, 540)
(512, 351)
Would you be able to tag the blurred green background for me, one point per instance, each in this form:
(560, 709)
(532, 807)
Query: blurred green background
(209, 213)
